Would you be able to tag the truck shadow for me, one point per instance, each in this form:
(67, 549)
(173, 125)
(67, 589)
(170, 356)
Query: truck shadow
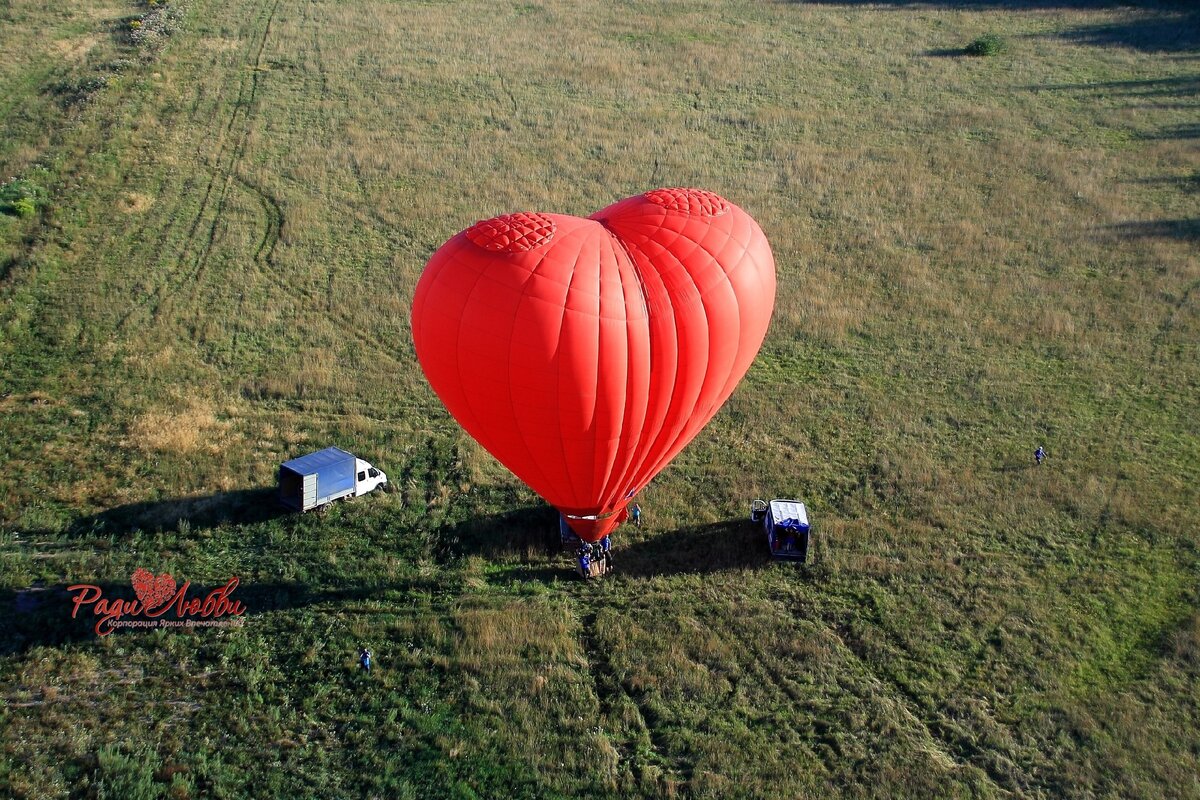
(240, 507)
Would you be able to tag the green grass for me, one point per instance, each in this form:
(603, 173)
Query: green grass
(975, 256)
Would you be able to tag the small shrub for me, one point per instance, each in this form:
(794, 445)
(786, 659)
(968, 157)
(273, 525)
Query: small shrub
(989, 44)
(21, 197)
(125, 776)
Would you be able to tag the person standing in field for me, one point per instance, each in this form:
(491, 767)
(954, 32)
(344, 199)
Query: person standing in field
(364, 660)
(635, 513)
(1039, 454)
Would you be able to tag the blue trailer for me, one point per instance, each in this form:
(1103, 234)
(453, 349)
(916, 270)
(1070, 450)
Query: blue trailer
(320, 478)
(786, 524)
(570, 540)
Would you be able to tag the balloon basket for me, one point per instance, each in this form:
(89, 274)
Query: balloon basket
(598, 568)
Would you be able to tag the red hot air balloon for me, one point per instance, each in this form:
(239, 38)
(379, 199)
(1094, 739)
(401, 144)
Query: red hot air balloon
(584, 354)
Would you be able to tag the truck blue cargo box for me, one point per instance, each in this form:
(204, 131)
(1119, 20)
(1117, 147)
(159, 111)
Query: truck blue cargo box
(786, 522)
(317, 478)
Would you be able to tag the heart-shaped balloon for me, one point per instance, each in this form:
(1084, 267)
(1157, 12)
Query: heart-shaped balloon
(584, 354)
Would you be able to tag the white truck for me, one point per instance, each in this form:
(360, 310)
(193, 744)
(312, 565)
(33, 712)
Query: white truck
(319, 478)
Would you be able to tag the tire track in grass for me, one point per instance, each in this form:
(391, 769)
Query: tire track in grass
(610, 692)
(220, 179)
(153, 296)
(759, 684)
(239, 153)
(944, 749)
(754, 659)
(264, 255)
(154, 299)
(323, 78)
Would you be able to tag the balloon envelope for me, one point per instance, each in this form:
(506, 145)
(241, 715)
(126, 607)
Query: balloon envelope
(584, 354)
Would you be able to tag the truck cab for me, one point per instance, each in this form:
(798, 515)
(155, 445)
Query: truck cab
(366, 477)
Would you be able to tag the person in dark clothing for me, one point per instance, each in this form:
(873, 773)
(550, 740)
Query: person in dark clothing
(1039, 454)
(364, 660)
(585, 562)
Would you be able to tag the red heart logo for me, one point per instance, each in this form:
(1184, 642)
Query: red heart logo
(584, 354)
(153, 590)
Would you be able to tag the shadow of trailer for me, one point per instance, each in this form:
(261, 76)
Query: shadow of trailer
(785, 523)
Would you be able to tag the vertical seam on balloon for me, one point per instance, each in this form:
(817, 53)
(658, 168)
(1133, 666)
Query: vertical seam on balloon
(605, 489)
(474, 417)
(458, 336)
(599, 353)
(561, 441)
(512, 402)
(639, 474)
(630, 470)
(670, 451)
(749, 261)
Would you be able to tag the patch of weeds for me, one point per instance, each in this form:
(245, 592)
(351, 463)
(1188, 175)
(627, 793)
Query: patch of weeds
(163, 19)
(118, 65)
(990, 44)
(78, 91)
(22, 197)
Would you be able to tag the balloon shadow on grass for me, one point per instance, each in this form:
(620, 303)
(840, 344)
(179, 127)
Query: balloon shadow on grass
(694, 550)
(528, 535)
(1167, 26)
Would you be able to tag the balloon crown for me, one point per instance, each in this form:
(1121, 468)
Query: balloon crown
(512, 233)
(698, 202)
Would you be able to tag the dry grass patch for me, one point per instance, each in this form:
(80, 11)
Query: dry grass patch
(75, 49)
(218, 44)
(492, 636)
(134, 202)
(32, 400)
(193, 428)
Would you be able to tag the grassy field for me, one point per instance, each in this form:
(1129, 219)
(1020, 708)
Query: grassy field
(229, 204)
